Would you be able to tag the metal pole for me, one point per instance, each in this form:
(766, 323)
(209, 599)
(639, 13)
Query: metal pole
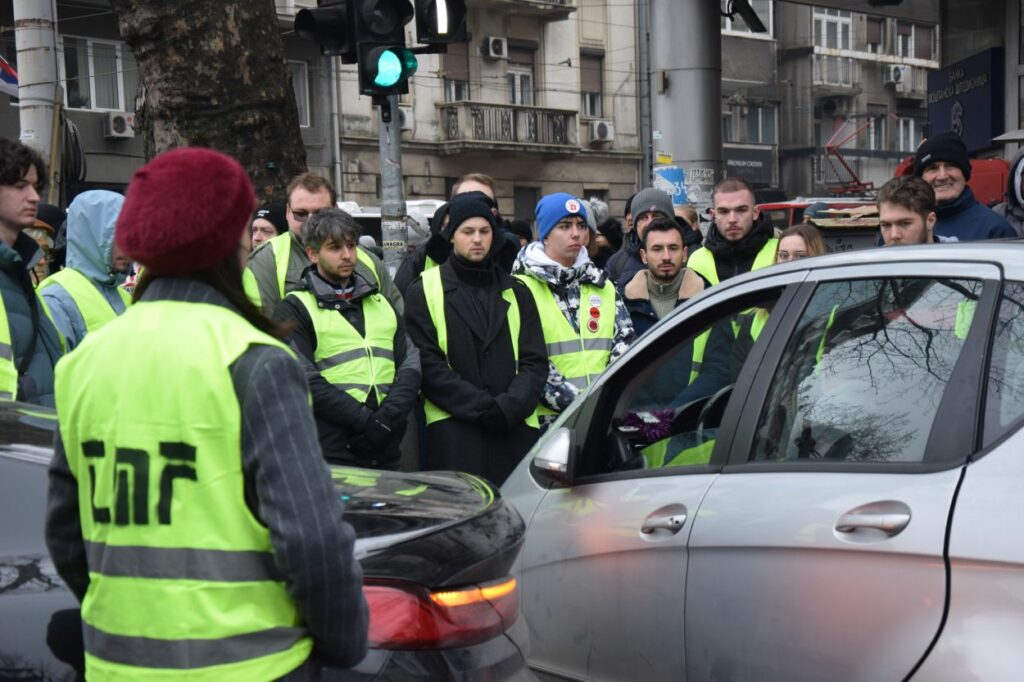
(332, 71)
(393, 230)
(686, 65)
(34, 37)
(644, 81)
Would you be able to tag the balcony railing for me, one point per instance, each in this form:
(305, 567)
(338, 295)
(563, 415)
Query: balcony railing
(841, 72)
(553, 9)
(466, 125)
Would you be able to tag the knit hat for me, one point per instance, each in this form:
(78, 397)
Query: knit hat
(520, 228)
(50, 216)
(611, 230)
(946, 147)
(274, 214)
(650, 199)
(185, 211)
(554, 207)
(465, 206)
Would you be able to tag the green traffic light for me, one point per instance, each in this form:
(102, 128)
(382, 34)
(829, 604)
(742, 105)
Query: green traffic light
(393, 66)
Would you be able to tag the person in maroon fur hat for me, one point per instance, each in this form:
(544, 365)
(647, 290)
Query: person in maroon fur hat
(224, 432)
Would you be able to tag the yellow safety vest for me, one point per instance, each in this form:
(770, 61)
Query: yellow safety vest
(8, 370)
(354, 364)
(580, 356)
(183, 583)
(433, 292)
(703, 261)
(93, 306)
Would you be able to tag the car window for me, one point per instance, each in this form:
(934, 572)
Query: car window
(1004, 400)
(862, 375)
(667, 412)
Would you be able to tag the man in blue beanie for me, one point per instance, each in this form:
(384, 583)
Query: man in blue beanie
(942, 162)
(586, 326)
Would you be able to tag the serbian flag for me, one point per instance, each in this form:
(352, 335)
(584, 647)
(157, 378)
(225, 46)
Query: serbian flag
(8, 79)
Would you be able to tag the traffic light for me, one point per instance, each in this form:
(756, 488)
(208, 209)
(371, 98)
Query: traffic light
(328, 25)
(385, 70)
(440, 21)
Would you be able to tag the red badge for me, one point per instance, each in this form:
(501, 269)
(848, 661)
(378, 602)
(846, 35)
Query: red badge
(595, 313)
(592, 326)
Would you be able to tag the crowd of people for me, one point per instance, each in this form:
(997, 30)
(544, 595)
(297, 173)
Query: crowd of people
(273, 341)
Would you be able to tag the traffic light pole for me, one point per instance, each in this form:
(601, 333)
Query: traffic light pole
(393, 230)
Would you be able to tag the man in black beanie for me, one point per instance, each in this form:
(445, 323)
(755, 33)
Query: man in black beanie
(943, 163)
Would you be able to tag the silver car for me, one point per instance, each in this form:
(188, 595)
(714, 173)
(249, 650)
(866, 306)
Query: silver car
(844, 504)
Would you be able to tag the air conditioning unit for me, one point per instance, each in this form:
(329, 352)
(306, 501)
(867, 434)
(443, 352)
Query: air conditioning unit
(118, 125)
(897, 75)
(494, 47)
(602, 131)
(405, 119)
(833, 107)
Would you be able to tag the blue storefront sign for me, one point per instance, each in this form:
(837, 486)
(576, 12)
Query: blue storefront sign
(967, 98)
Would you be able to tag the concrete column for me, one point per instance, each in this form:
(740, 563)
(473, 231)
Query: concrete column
(686, 91)
(34, 37)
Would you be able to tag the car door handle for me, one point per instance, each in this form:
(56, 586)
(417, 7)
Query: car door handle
(890, 523)
(672, 523)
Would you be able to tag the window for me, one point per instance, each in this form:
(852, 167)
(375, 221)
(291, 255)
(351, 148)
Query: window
(833, 28)
(728, 126)
(908, 135)
(923, 42)
(300, 85)
(98, 74)
(520, 84)
(862, 375)
(455, 70)
(761, 124)
(667, 413)
(904, 39)
(591, 85)
(455, 90)
(877, 132)
(873, 37)
(765, 12)
(1004, 401)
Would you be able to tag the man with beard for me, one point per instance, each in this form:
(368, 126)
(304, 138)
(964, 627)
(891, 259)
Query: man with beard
(654, 291)
(740, 240)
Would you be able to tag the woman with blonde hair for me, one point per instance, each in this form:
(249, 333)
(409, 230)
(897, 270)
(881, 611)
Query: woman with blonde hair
(799, 241)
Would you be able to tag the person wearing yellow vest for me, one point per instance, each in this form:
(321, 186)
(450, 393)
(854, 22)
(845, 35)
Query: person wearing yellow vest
(29, 343)
(276, 266)
(87, 294)
(481, 351)
(739, 240)
(195, 519)
(586, 325)
(363, 375)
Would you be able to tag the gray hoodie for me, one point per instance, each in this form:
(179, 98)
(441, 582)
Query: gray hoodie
(92, 217)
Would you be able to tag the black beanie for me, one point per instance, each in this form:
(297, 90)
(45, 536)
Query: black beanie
(946, 147)
(466, 206)
(611, 230)
(274, 214)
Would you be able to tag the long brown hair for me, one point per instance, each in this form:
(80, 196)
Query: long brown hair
(226, 277)
(811, 236)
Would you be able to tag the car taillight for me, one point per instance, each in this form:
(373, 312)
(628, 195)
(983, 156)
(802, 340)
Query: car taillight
(407, 616)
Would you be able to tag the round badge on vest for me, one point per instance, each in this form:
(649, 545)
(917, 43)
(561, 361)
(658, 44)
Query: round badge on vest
(595, 300)
(592, 326)
(595, 313)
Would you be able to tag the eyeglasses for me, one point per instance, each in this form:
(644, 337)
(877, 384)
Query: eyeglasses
(300, 215)
(785, 256)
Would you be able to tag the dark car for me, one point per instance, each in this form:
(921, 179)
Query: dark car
(436, 551)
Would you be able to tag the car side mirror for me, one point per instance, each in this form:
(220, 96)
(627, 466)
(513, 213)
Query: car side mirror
(554, 462)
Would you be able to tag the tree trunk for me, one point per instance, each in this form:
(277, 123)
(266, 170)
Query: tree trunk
(215, 75)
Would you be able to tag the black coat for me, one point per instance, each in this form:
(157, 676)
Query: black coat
(341, 419)
(737, 258)
(478, 382)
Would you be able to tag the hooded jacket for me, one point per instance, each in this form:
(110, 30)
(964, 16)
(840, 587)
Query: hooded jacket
(623, 265)
(92, 218)
(564, 284)
(25, 319)
(736, 258)
(341, 420)
(965, 220)
(1013, 208)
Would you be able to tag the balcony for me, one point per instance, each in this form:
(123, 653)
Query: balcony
(507, 127)
(915, 86)
(546, 9)
(835, 75)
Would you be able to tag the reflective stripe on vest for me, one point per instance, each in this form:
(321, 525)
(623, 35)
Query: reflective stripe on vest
(182, 577)
(578, 355)
(92, 305)
(8, 370)
(703, 261)
(433, 292)
(282, 245)
(354, 364)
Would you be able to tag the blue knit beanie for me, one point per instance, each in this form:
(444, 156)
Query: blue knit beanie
(554, 207)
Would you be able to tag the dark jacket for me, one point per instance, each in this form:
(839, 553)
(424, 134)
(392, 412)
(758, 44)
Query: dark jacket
(966, 220)
(736, 258)
(437, 248)
(478, 382)
(343, 423)
(26, 318)
(625, 263)
(287, 487)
